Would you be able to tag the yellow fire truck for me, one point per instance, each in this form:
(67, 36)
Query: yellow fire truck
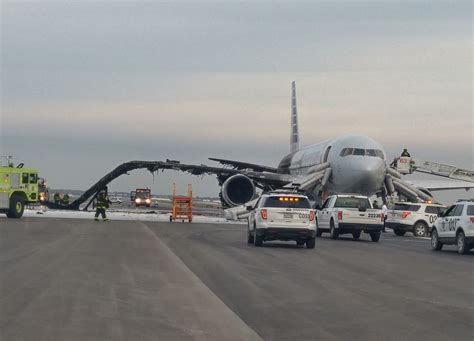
(18, 187)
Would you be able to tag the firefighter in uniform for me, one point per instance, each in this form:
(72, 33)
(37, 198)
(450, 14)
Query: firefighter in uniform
(101, 206)
(65, 200)
(405, 153)
(57, 198)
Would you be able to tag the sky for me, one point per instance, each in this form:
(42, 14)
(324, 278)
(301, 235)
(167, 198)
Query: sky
(87, 85)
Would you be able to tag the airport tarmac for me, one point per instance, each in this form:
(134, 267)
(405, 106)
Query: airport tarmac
(76, 279)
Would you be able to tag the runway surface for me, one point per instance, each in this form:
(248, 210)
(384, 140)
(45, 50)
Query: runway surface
(74, 279)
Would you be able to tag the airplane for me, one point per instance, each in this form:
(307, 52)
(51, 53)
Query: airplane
(351, 163)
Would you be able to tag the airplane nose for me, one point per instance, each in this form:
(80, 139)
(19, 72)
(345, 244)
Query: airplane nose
(368, 174)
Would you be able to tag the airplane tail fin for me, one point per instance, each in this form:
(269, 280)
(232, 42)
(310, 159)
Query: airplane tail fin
(294, 134)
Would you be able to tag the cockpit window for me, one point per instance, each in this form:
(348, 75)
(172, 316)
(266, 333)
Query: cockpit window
(347, 151)
(362, 152)
(371, 152)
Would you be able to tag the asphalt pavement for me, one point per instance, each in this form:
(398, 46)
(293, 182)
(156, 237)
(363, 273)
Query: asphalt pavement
(74, 279)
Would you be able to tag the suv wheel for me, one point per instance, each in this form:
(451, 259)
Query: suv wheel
(436, 245)
(319, 232)
(420, 229)
(249, 235)
(257, 240)
(333, 232)
(399, 232)
(311, 242)
(375, 236)
(461, 243)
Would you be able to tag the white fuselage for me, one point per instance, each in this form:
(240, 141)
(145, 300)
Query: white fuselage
(358, 163)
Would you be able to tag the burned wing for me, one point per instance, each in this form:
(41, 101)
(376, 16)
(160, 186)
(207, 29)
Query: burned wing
(238, 186)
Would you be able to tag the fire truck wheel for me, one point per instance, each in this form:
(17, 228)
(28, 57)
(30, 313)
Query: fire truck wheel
(17, 207)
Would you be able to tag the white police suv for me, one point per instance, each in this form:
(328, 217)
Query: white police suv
(417, 217)
(282, 216)
(455, 226)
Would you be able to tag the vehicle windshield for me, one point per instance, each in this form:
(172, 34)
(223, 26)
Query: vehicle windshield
(352, 202)
(142, 195)
(284, 201)
(406, 207)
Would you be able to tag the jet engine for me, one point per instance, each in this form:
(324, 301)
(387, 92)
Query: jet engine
(237, 190)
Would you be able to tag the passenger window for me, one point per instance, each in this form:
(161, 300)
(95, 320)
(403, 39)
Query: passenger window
(470, 210)
(432, 209)
(326, 203)
(33, 178)
(406, 207)
(24, 178)
(449, 211)
(352, 202)
(458, 211)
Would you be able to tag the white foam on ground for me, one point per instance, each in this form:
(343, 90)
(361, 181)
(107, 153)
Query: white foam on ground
(122, 215)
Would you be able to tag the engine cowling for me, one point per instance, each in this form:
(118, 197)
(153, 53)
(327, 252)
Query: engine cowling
(237, 190)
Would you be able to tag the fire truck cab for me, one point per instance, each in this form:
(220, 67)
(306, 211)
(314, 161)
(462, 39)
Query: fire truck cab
(18, 187)
(141, 197)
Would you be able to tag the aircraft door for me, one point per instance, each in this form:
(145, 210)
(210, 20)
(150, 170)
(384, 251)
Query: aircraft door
(326, 154)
